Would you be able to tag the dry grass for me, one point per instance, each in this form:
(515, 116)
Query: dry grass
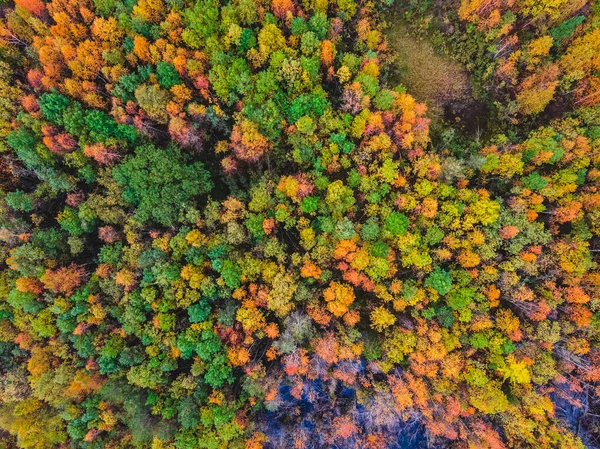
(430, 77)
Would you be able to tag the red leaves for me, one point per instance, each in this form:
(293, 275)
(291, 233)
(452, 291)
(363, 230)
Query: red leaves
(36, 7)
(101, 154)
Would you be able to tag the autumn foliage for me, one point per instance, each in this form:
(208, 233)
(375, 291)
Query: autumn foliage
(224, 225)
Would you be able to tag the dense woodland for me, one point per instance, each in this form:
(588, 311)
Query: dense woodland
(229, 224)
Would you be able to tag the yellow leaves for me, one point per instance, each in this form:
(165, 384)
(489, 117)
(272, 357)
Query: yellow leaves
(398, 344)
(234, 34)
(359, 124)
(371, 68)
(468, 9)
(507, 321)
(251, 319)
(360, 260)
(381, 319)
(270, 39)
(193, 275)
(233, 210)
(280, 297)
(583, 55)
(88, 62)
(540, 46)
(107, 30)
(125, 278)
(574, 257)
(39, 362)
(307, 237)
(488, 399)
(150, 10)
(196, 238)
(288, 185)
(516, 372)
(484, 211)
(181, 93)
(338, 296)
(419, 259)
(344, 74)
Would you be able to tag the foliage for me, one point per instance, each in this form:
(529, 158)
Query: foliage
(223, 226)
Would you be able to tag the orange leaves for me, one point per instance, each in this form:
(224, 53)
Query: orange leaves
(141, 48)
(272, 330)
(295, 187)
(319, 315)
(281, 8)
(107, 30)
(63, 280)
(508, 232)
(327, 348)
(567, 212)
(126, 278)
(296, 363)
(401, 393)
(29, 285)
(88, 62)
(36, 7)
(493, 294)
(508, 323)
(327, 52)
(580, 315)
(309, 269)
(247, 142)
(83, 384)
(238, 356)
(345, 250)
(257, 441)
(339, 297)
(344, 427)
(429, 207)
(468, 259)
(576, 295)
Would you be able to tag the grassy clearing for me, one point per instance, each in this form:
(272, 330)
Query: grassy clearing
(433, 78)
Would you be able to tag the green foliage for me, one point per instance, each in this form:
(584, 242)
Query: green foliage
(396, 223)
(161, 186)
(440, 280)
(19, 200)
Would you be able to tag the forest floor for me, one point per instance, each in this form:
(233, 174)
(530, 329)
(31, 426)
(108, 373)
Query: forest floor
(435, 79)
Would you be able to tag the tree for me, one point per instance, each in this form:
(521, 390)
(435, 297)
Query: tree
(63, 280)
(160, 187)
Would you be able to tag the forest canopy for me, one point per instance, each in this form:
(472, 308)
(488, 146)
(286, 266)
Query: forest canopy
(229, 224)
